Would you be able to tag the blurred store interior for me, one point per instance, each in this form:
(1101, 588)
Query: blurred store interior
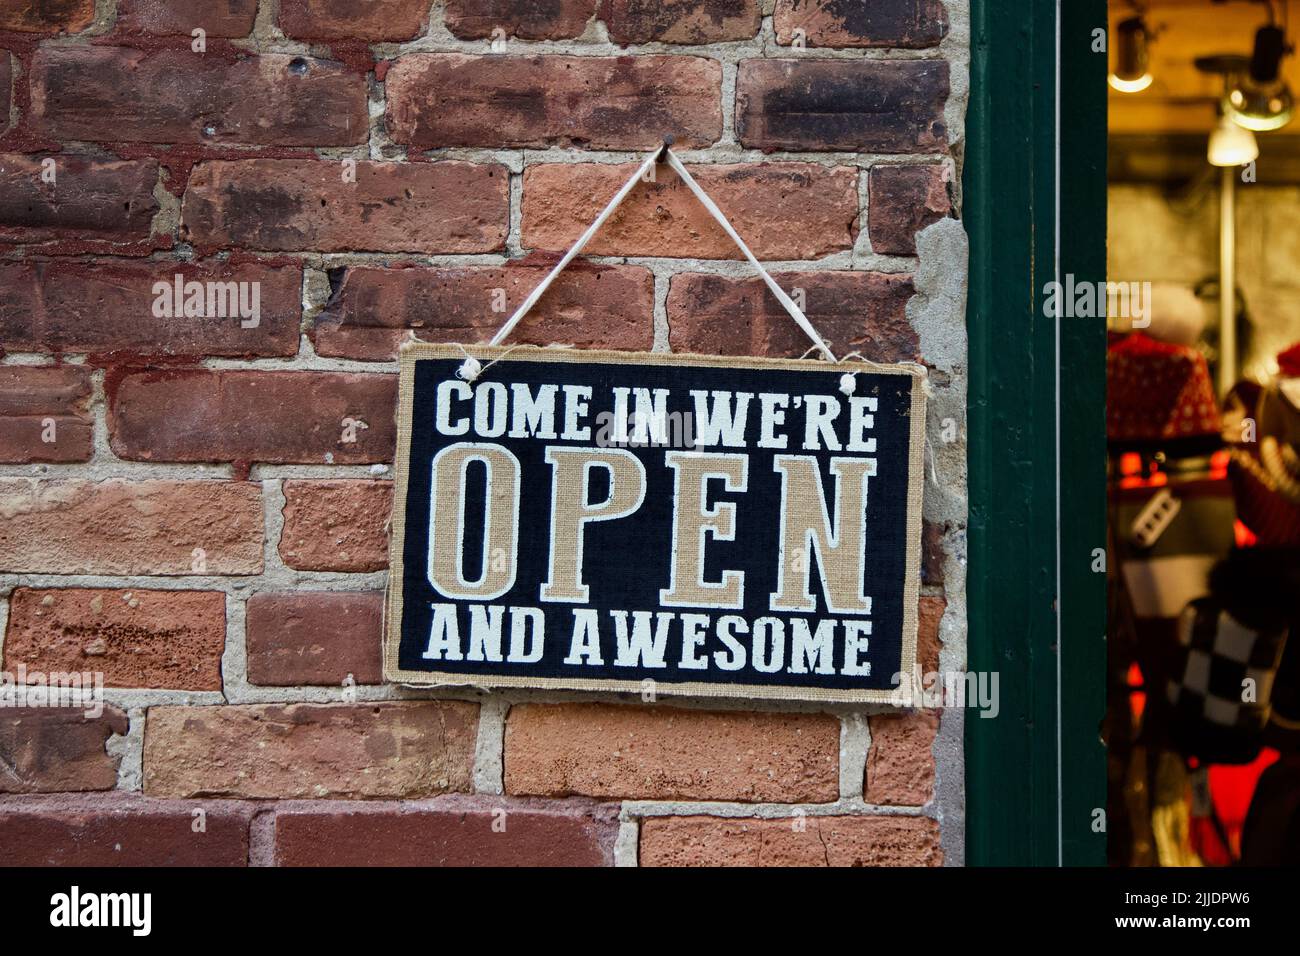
(1203, 427)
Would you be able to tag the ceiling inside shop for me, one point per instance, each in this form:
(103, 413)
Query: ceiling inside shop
(1181, 99)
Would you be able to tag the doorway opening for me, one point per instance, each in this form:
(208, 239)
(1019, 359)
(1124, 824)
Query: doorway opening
(1203, 434)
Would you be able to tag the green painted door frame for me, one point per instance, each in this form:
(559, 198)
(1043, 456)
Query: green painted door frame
(1034, 205)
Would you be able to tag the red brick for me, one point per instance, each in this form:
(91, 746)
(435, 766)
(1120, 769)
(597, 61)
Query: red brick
(928, 644)
(680, 21)
(53, 749)
(108, 305)
(448, 207)
(244, 415)
(807, 841)
(397, 750)
(123, 830)
(901, 201)
(136, 638)
(66, 526)
(854, 311)
(90, 198)
(47, 16)
(6, 89)
(123, 94)
(932, 552)
(664, 218)
(44, 402)
(336, 525)
(909, 24)
(589, 306)
(524, 19)
(447, 831)
(369, 20)
(314, 637)
(876, 106)
(228, 18)
(667, 753)
(451, 99)
(900, 762)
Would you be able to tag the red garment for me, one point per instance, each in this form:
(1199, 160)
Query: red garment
(1158, 391)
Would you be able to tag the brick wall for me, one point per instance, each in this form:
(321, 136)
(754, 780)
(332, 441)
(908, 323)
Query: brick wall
(195, 506)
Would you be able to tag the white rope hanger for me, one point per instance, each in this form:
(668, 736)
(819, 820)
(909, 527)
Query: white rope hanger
(469, 371)
(471, 368)
(795, 312)
(577, 247)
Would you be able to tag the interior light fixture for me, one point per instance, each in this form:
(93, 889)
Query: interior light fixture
(1232, 145)
(1259, 98)
(1132, 56)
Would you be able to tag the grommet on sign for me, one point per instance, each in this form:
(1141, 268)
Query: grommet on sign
(848, 383)
(470, 369)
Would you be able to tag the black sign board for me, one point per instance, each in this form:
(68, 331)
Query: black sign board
(694, 525)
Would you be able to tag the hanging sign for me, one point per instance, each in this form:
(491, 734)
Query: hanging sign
(686, 524)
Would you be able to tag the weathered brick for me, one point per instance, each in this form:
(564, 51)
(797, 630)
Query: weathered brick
(452, 99)
(54, 749)
(44, 412)
(279, 204)
(314, 637)
(901, 201)
(928, 644)
(589, 306)
(47, 16)
(524, 19)
(878, 106)
(446, 831)
(122, 829)
(932, 556)
(805, 841)
(336, 525)
(664, 218)
(123, 94)
(397, 750)
(369, 20)
(680, 21)
(900, 762)
(666, 753)
(909, 24)
(110, 305)
(229, 18)
(6, 89)
(67, 526)
(89, 198)
(244, 415)
(854, 311)
(136, 638)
